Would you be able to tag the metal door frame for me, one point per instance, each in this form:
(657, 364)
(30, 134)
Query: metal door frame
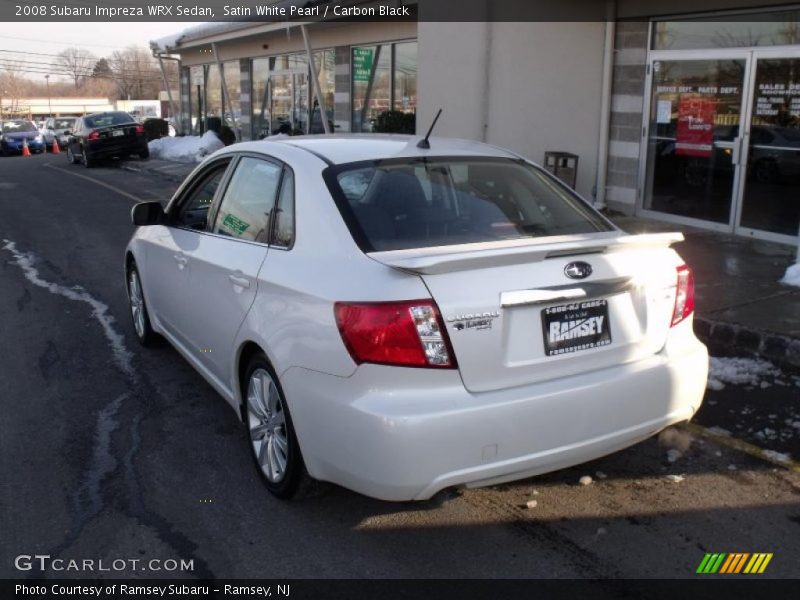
(758, 53)
(751, 57)
(692, 55)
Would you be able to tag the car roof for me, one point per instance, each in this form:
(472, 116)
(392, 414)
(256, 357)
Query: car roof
(347, 148)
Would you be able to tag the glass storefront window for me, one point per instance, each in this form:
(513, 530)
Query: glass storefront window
(770, 201)
(324, 63)
(213, 106)
(196, 96)
(233, 83)
(372, 66)
(282, 93)
(260, 98)
(384, 78)
(405, 77)
(769, 29)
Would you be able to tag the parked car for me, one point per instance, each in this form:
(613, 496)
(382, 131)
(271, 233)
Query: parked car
(56, 128)
(400, 320)
(105, 135)
(15, 133)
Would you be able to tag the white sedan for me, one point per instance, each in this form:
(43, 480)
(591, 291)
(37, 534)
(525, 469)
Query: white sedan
(399, 319)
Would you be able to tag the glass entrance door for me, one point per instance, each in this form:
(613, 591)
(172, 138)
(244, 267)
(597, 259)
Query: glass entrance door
(693, 138)
(770, 203)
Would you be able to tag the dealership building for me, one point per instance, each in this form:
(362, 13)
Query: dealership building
(659, 110)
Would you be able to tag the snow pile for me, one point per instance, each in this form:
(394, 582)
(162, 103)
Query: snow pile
(739, 371)
(190, 148)
(792, 275)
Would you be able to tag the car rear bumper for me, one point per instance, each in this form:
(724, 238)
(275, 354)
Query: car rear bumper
(105, 149)
(405, 434)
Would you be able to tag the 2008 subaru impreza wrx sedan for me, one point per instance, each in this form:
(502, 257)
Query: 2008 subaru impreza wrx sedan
(399, 320)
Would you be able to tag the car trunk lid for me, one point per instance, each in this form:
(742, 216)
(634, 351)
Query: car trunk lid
(514, 317)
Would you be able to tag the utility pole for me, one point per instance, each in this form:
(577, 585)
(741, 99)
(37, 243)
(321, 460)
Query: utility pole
(49, 108)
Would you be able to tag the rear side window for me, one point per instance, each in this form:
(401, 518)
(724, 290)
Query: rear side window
(418, 203)
(248, 201)
(108, 119)
(284, 216)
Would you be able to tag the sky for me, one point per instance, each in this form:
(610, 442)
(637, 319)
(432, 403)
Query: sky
(99, 38)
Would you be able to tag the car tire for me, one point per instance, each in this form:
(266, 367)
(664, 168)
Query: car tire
(88, 160)
(145, 154)
(270, 432)
(139, 314)
(71, 158)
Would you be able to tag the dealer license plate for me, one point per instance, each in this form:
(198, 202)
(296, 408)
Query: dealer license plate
(575, 327)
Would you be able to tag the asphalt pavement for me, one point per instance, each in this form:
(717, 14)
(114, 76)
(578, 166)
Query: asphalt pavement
(109, 451)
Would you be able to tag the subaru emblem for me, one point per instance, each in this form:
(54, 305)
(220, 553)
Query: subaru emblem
(578, 270)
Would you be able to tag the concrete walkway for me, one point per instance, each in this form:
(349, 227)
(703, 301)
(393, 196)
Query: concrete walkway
(741, 308)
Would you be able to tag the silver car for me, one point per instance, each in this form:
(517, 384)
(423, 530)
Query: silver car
(56, 128)
(400, 319)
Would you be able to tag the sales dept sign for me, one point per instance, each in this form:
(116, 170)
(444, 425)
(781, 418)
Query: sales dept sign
(362, 63)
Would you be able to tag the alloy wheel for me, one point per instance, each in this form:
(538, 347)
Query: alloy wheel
(269, 436)
(137, 303)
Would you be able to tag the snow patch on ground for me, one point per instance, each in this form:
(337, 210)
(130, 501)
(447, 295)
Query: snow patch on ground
(740, 371)
(100, 311)
(778, 456)
(792, 275)
(187, 149)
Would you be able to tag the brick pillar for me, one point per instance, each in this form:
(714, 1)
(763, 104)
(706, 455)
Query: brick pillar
(627, 106)
(184, 118)
(245, 99)
(342, 114)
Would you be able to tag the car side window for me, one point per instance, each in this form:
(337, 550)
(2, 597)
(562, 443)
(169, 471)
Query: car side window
(248, 201)
(193, 211)
(284, 215)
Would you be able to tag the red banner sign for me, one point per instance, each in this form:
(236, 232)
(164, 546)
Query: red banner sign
(695, 134)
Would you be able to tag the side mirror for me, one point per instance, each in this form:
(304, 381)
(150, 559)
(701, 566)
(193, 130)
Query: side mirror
(148, 213)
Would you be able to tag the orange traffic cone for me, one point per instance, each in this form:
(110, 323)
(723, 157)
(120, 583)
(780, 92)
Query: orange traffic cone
(25, 151)
(56, 149)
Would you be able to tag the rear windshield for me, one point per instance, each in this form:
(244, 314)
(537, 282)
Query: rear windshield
(14, 126)
(108, 119)
(419, 203)
(63, 123)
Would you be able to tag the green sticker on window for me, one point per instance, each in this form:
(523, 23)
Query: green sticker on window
(235, 224)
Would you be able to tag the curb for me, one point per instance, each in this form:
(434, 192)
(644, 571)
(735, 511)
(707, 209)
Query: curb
(741, 446)
(725, 339)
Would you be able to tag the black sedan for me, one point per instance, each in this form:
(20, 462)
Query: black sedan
(105, 135)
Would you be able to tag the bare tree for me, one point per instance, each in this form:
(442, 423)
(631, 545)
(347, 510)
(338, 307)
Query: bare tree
(77, 62)
(135, 72)
(13, 87)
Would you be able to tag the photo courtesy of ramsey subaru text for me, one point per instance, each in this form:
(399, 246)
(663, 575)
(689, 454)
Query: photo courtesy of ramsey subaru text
(399, 319)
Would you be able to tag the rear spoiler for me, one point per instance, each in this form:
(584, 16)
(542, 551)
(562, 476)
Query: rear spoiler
(445, 259)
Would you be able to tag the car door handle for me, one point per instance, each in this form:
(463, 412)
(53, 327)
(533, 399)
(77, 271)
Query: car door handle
(240, 281)
(181, 260)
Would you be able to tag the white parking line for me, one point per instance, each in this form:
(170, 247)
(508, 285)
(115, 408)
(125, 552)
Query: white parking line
(93, 180)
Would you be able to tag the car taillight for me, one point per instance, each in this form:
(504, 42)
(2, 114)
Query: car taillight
(409, 333)
(684, 295)
(139, 129)
(93, 136)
